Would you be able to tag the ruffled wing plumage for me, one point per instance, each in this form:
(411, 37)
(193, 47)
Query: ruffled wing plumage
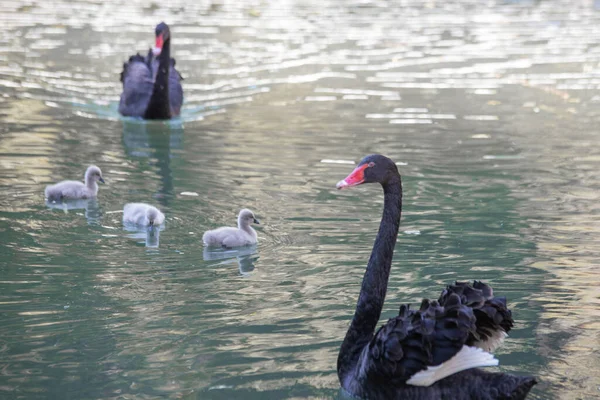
(493, 318)
(138, 77)
(415, 340)
(175, 89)
(464, 315)
(138, 81)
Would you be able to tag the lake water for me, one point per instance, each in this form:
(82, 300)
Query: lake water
(491, 110)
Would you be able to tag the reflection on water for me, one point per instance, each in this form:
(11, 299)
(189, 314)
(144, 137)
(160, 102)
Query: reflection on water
(152, 139)
(149, 235)
(245, 257)
(157, 141)
(489, 109)
(92, 213)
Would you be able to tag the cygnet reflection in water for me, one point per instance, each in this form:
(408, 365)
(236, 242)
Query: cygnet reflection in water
(244, 257)
(149, 235)
(92, 209)
(75, 189)
(243, 235)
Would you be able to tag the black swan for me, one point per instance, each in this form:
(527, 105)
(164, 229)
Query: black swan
(225, 236)
(74, 189)
(429, 353)
(151, 85)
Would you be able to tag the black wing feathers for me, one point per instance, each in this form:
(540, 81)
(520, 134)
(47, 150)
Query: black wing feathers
(491, 312)
(132, 59)
(464, 314)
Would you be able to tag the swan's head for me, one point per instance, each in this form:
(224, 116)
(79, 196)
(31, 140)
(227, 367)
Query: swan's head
(373, 168)
(93, 174)
(162, 35)
(246, 218)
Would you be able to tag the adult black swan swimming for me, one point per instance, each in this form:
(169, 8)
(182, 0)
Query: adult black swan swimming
(152, 85)
(430, 353)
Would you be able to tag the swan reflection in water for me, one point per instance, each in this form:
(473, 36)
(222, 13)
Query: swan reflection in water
(145, 139)
(245, 257)
(92, 212)
(157, 143)
(150, 235)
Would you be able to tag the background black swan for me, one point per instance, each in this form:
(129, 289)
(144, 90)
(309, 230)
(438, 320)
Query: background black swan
(151, 85)
(431, 353)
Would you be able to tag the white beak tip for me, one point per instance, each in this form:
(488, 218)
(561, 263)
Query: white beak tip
(341, 184)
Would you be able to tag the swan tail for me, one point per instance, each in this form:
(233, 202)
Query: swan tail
(522, 387)
(467, 358)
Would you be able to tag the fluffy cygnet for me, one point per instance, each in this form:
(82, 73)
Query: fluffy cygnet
(243, 235)
(74, 189)
(142, 214)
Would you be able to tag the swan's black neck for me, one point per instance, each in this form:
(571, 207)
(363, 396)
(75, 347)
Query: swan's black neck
(374, 284)
(159, 106)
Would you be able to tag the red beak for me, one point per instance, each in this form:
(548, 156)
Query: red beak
(159, 45)
(355, 178)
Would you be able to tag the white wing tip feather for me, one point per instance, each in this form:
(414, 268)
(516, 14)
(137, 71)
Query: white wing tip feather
(467, 358)
(493, 342)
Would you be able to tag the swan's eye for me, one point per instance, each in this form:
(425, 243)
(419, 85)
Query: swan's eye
(371, 164)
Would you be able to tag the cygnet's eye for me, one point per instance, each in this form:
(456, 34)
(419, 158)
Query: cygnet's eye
(371, 164)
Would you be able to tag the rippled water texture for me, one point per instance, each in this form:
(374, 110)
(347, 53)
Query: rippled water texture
(490, 109)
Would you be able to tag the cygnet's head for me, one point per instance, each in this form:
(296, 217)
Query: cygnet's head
(246, 218)
(151, 214)
(93, 174)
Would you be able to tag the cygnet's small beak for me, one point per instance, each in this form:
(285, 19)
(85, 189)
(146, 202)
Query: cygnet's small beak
(151, 223)
(101, 180)
(256, 221)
